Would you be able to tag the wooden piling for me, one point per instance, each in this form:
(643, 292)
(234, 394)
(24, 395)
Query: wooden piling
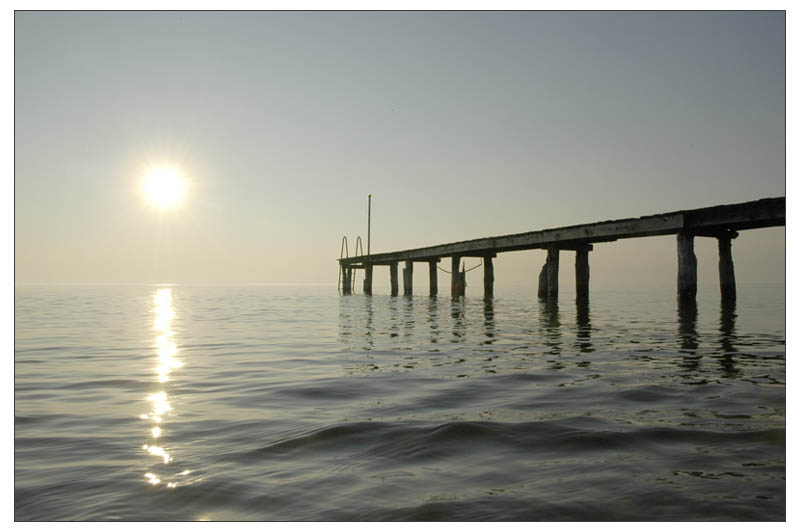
(393, 277)
(727, 280)
(351, 279)
(543, 281)
(408, 276)
(346, 281)
(456, 279)
(552, 272)
(582, 273)
(687, 267)
(368, 279)
(434, 278)
(488, 277)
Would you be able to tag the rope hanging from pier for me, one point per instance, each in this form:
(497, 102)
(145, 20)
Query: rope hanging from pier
(465, 271)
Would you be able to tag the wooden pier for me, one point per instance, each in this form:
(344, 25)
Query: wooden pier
(722, 222)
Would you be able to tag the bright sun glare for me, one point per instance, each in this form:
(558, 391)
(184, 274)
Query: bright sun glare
(164, 187)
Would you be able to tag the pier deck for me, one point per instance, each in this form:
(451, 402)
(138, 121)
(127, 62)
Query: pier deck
(722, 222)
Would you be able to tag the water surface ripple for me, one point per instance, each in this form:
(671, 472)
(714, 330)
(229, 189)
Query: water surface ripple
(293, 403)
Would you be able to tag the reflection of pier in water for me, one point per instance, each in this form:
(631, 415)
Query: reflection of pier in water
(550, 326)
(433, 319)
(410, 323)
(488, 320)
(687, 332)
(583, 335)
(727, 339)
(690, 338)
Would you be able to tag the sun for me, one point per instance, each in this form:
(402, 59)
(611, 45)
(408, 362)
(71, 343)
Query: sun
(164, 187)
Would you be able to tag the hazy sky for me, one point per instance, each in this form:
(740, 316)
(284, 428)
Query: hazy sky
(461, 125)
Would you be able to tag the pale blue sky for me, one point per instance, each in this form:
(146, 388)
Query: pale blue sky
(461, 125)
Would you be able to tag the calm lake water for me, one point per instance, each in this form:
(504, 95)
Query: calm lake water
(294, 403)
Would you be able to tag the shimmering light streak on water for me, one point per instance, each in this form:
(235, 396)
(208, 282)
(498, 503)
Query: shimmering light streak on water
(166, 350)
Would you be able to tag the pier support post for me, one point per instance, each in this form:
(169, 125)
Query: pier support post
(368, 279)
(548, 277)
(393, 277)
(434, 278)
(687, 268)
(457, 283)
(347, 284)
(488, 277)
(582, 273)
(552, 272)
(543, 282)
(408, 276)
(727, 281)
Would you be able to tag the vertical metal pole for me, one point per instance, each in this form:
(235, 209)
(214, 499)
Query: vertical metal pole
(369, 221)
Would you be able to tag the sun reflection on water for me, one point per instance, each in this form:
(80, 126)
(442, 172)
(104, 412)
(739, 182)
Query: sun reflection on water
(166, 350)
